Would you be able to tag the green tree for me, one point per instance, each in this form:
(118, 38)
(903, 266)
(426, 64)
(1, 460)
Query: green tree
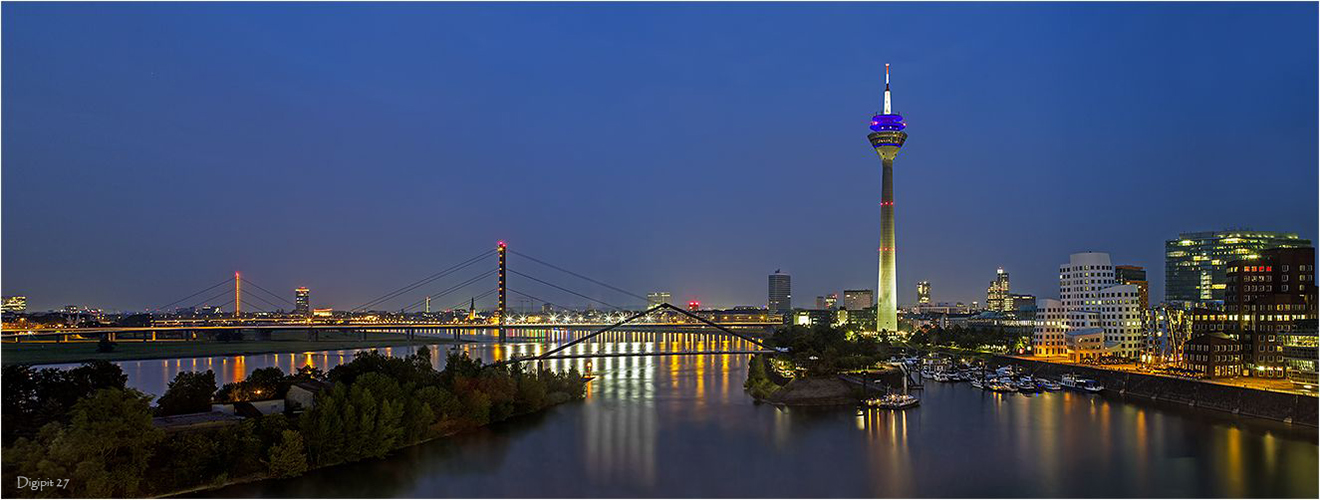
(324, 427)
(104, 450)
(34, 398)
(288, 459)
(189, 392)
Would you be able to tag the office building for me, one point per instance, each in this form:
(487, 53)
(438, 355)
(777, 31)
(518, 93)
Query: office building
(887, 138)
(1267, 298)
(1213, 356)
(1299, 352)
(1092, 306)
(1135, 275)
(997, 297)
(856, 300)
(302, 301)
(1023, 306)
(832, 301)
(781, 293)
(923, 292)
(656, 298)
(859, 319)
(14, 304)
(1194, 263)
(810, 318)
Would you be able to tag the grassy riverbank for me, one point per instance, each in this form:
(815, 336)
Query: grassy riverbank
(125, 350)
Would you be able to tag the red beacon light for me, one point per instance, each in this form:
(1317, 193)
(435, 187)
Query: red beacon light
(500, 243)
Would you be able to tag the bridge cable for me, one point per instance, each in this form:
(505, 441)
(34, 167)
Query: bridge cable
(258, 297)
(221, 294)
(204, 290)
(565, 289)
(474, 299)
(452, 289)
(254, 306)
(552, 266)
(529, 296)
(268, 292)
(423, 281)
(641, 314)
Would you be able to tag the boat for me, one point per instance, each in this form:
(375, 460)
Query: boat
(977, 383)
(1026, 385)
(1070, 381)
(1001, 385)
(893, 402)
(1048, 385)
(941, 377)
(1092, 386)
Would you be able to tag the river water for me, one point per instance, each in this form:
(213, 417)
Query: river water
(681, 426)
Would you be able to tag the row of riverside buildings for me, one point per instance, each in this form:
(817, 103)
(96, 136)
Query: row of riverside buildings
(1237, 303)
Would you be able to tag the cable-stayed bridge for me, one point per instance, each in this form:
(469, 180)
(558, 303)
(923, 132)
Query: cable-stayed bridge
(247, 307)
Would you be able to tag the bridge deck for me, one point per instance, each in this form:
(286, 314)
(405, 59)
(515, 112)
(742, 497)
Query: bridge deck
(641, 353)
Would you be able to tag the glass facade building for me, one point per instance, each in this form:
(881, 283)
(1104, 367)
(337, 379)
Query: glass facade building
(781, 293)
(1194, 263)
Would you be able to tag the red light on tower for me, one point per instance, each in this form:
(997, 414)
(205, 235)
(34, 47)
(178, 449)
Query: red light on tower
(693, 305)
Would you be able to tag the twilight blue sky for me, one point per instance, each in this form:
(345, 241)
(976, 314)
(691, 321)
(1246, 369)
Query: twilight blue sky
(150, 150)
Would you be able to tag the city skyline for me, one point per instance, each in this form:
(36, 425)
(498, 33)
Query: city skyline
(354, 164)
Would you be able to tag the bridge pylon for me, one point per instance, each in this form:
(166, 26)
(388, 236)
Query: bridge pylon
(502, 287)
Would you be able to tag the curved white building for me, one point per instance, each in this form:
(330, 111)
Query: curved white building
(1091, 300)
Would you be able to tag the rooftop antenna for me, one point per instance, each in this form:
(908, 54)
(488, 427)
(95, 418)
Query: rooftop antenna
(888, 110)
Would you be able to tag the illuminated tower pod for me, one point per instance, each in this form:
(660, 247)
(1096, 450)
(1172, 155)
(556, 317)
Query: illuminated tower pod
(887, 137)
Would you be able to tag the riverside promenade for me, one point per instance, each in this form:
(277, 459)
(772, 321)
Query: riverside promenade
(1288, 407)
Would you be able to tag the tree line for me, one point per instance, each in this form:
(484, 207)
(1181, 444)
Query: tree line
(84, 424)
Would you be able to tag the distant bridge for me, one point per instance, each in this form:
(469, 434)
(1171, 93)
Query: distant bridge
(247, 294)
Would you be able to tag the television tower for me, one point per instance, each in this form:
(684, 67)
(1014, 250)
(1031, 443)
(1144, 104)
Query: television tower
(887, 137)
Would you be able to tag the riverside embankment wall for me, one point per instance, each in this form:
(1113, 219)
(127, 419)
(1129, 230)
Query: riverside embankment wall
(1284, 407)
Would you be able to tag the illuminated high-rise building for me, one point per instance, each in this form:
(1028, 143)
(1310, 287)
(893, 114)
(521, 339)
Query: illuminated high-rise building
(997, 297)
(781, 293)
(302, 301)
(1134, 275)
(856, 300)
(15, 304)
(1194, 263)
(923, 292)
(656, 298)
(1096, 317)
(831, 301)
(887, 138)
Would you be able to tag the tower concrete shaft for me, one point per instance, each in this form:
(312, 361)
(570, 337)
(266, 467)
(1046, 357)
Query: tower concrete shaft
(887, 138)
(886, 312)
